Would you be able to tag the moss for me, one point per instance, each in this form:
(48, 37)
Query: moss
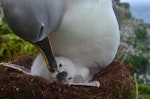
(12, 46)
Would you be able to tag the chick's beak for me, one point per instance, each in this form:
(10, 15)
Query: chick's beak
(61, 76)
(46, 49)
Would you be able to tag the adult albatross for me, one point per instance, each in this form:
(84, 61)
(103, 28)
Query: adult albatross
(85, 31)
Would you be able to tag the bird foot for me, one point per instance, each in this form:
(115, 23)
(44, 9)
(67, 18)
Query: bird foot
(90, 84)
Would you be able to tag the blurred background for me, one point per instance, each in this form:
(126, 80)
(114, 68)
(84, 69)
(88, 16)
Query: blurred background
(139, 9)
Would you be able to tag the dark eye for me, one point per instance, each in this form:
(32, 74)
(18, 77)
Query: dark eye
(70, 78)
(60, 65)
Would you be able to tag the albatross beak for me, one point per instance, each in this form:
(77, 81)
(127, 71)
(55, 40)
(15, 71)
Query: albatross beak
(46, 49)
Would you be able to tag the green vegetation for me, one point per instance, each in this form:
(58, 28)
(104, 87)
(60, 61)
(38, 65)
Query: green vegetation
(11, 45)
(128, 15)
(140, 59)
(136, 87)
(4, 29)
(140, 34)
(139, 63)
(144, 91)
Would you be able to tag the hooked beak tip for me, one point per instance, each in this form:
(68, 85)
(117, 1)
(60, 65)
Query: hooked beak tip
(45, 48)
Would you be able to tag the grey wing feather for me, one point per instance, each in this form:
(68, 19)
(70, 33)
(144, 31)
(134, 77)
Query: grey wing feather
(115, 10)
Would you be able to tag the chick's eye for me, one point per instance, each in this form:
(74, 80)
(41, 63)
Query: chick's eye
(70, 78)
(60, 65)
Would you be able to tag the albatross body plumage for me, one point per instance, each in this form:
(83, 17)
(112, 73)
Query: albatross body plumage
(89, 33)
(84, 31)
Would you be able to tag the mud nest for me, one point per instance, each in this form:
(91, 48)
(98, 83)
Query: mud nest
(115, 83)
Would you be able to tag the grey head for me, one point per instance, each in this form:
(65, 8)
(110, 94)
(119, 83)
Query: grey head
(32, 20)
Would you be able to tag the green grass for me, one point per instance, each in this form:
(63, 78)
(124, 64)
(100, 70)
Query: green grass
(136, 87)
(144, 91)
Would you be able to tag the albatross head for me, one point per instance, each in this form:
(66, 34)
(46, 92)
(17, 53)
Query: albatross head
(33, 20)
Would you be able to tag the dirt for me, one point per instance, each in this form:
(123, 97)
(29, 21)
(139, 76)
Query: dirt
(115, 83)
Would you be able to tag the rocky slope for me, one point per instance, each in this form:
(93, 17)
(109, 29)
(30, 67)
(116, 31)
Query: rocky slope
(135, 38)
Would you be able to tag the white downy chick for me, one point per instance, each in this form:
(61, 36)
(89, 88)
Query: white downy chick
(63, 64)
(74, 75)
